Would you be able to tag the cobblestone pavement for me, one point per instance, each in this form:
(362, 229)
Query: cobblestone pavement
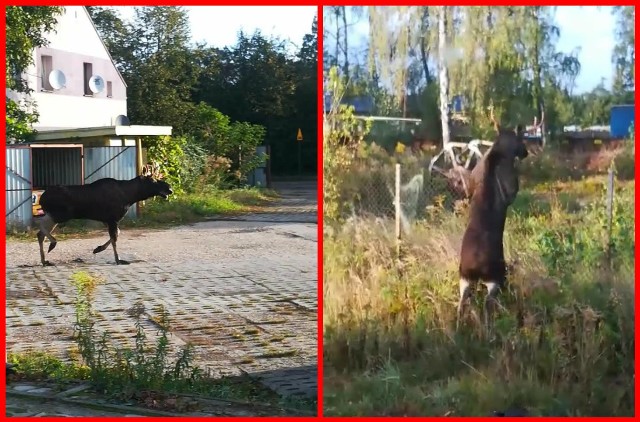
(244, 292)
(298, 204)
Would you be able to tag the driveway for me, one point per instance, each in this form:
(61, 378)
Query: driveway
(242, 290)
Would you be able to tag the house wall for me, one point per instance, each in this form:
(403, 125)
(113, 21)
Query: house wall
(74, 42)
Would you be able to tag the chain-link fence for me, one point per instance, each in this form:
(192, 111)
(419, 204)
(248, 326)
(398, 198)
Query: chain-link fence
(402, 192)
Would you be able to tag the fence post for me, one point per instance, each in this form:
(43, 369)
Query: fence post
(610, 180)
(398, 210)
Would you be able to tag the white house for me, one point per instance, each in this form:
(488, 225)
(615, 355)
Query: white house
(82, 134)
(76, 52)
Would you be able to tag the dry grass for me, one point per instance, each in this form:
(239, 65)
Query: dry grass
(563, 343)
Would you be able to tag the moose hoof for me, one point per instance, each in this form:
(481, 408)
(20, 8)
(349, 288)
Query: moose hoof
(47, 264)
(98, 249)
(52, 245)
(122, 262)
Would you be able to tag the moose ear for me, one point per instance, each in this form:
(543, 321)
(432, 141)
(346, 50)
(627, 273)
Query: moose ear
(519, 131)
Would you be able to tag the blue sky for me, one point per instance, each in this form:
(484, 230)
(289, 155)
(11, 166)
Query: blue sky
(590, 28)
(219, 25)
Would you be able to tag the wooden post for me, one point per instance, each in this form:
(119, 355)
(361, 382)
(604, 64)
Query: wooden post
(609, 211)
(138, 169)
(398, 211)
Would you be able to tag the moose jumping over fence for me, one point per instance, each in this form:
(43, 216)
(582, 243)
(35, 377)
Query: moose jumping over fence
(493, 186)
(106, 200)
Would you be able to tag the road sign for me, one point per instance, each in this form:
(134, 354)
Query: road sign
(299, 138)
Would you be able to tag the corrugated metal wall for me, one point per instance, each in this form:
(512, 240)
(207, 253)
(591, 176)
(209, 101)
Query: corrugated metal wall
(56, 166)
(116, 162)
(18, 211)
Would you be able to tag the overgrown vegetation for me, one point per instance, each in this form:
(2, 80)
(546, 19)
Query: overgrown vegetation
(563, 342)
(144, 369)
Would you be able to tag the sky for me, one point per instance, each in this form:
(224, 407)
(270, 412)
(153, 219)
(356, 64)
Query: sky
(590, 28)
(218, 26)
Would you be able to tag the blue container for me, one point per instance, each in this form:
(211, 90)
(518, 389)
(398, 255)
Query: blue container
(621, 118)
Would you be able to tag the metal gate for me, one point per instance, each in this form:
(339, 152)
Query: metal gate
(19, 185)
(115, 162)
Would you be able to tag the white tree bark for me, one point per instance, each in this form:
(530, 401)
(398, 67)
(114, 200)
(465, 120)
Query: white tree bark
(443, 75)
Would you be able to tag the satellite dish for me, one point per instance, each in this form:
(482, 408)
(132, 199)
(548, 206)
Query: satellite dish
(96, 84)
(122, 120)
(57, 80)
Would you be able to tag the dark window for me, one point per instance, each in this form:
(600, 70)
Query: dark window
(46, 63)
(109, 89)
(88, 72)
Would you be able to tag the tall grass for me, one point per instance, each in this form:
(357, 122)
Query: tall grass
(563, 342)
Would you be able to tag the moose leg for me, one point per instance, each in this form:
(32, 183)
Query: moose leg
(113, 234)
(47, 226)
(465, 293)
(490, 301)
(102, 247)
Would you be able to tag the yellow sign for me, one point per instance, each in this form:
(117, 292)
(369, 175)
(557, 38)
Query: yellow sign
(35, 203)
(299, 138)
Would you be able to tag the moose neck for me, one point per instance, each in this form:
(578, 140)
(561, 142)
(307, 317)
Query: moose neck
(137, 190)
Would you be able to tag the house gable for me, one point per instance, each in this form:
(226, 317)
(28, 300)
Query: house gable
(76, 33)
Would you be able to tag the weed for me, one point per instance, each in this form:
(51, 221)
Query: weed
(563, 342)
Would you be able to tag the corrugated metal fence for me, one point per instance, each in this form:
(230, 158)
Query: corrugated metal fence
(99, 162)
(18, 211)
(116, 162)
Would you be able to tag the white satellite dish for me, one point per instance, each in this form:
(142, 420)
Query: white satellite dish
(96, 84)
(57, 80)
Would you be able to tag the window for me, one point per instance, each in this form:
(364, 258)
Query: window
(109, 89)
(88, 72)
(46, 63)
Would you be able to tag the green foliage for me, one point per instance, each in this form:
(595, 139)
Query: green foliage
(237, 142)
(195, 87)
(624, 52)
(19, 119)
(168, 152)
(339, 145)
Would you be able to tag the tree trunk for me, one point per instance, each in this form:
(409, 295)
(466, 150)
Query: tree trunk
(346, 43)
(538, 105)
(443, 75)
(337, 13)
(423, 46)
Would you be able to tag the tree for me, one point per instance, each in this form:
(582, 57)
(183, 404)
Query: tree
(443, 75)
(163, 71)
(26, 28)
(257, 81)
(624, 53)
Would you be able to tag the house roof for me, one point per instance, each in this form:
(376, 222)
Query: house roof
(103, 44)
(88, 132)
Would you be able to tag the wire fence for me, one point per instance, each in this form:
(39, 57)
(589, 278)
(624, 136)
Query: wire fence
(401, 195)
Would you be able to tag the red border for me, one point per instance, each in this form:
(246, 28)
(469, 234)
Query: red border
(320, 207)
(319, 146)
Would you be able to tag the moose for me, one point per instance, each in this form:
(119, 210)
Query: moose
(493, 186)
(106, 200)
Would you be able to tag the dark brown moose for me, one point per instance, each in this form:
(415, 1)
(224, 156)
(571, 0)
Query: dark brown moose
(493, 186)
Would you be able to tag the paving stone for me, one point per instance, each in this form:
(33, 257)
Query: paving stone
(254, 315)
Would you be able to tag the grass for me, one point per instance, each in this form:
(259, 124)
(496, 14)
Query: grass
(178, 210)
(562, 345)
